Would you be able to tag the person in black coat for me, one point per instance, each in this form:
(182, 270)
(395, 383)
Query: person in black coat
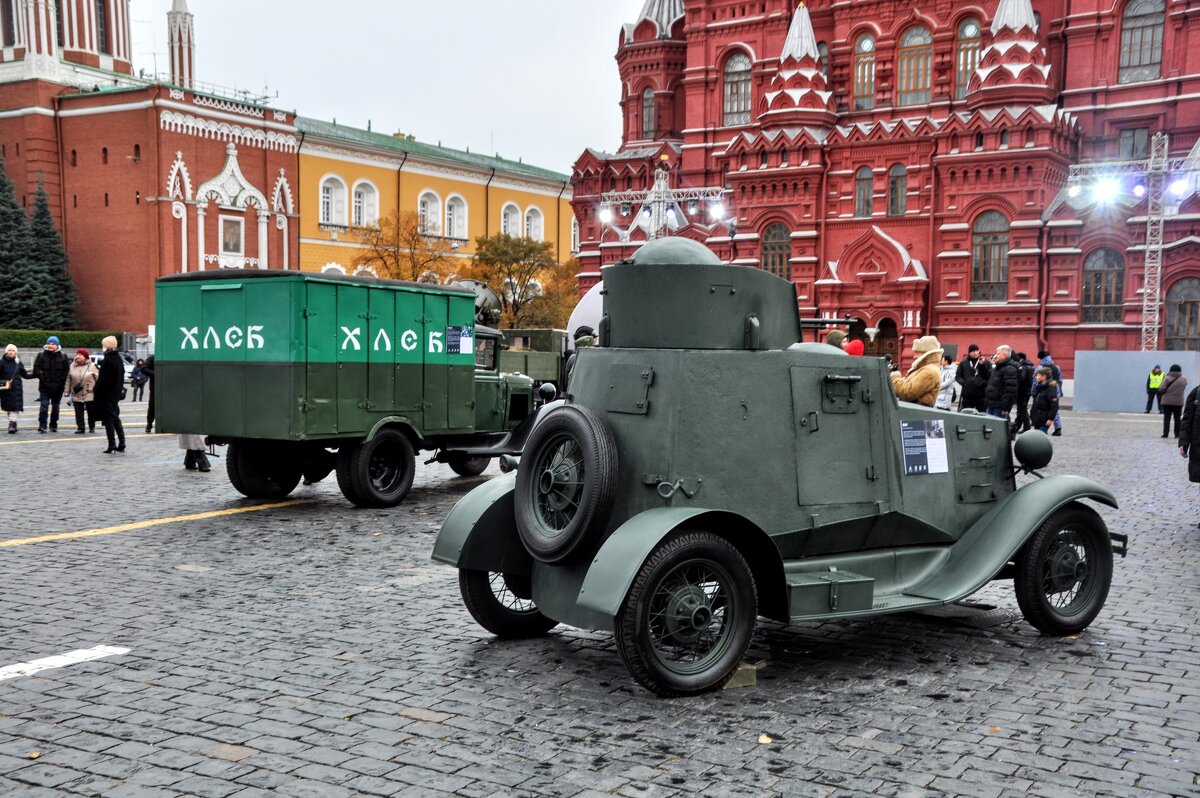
(148, 373)
(1189, 434)
(109, 387)
(1045, 401)
(1024, 389)
(12, 392)
(1001, 392)
(50, 367)
(973, 374)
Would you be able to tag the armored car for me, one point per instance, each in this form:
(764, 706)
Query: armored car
(706, 468)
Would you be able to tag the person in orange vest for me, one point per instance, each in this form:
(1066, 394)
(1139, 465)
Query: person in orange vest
(1152, 384)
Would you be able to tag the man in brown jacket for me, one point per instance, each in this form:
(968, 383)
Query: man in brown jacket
(924, 379)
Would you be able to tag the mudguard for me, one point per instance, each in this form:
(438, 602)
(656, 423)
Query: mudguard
(995, 538)
(480, 532)
(621, 556)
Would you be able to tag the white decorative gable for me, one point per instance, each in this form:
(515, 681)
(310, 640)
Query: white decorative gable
(231, 188)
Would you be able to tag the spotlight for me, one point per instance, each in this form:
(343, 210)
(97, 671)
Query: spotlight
(1105, 190)
(716, 211)
(606, 215)
(1139, 191)
(1178, 186)
(1073, 192)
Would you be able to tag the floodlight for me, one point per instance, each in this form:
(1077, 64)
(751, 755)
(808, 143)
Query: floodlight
(1179, 186)
(606, 215)
(1106, 189)
(1139, 191)
(716, 211)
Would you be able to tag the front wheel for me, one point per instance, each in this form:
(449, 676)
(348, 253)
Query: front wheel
(1064, 571)
(466, 466)
(378, 472)
(501, 604)
(689, 615)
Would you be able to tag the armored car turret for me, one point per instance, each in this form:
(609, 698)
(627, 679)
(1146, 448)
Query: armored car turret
(705, 467)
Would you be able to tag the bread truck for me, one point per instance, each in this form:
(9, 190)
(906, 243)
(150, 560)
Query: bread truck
(304, 374)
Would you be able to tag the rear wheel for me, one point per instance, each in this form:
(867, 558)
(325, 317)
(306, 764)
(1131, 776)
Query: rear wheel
(378, 472)
(466, 466)
(501, 604)
(689, 615)
(1064, 571)
(261, 471)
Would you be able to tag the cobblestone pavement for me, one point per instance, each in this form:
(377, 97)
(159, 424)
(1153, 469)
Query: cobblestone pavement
(315, 650)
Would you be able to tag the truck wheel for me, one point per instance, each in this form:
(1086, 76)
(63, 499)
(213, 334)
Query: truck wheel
(261, 472)
(689, 615)
(494, 604)
(1064, 571)
(565, 484)
(378, 472)
(468, 466)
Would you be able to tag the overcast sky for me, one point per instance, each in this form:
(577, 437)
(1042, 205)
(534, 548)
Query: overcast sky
(533, 79)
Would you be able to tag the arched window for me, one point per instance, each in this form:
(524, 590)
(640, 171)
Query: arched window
(966, 55)
(864, 187)
(823, 57)
(897, 190)
(10, 28)
(533, 224)
(737, 90)
(333, 201)
(366, 205)
(1141, 41)
(1183, 316)
(648, 114)
(333, 268)
(777, 251)
(102, 27)
(989, 258)
(429, 214)
(456, 218)
(864, 73)
(103, 154)
(915, 66)
(1103, 286)
(510, 221)
(574, 235)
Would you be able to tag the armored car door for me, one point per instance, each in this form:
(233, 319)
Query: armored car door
(838, 423)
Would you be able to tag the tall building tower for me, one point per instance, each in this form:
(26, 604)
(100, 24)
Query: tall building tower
(181, 44)
(48, 38)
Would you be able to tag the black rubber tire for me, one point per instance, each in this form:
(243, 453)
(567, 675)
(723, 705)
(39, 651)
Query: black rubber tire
(261, 471)
(566, 484)
(492, 599)
(468, 466)
(672, 607)
(1071, 553)
(378, 472)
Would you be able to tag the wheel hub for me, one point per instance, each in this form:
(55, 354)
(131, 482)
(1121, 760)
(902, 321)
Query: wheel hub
(1067, 569)
(688, 613)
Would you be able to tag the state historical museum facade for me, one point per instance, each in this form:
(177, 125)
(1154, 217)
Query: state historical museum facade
(907, 166)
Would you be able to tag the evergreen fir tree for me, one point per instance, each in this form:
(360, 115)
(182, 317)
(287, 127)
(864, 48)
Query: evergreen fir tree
(25, 295)
(47, 249)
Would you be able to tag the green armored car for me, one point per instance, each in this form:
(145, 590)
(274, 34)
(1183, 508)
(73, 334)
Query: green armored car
(303, 374)
(704, 468)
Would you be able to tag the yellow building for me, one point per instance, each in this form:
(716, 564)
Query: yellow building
(351, 177)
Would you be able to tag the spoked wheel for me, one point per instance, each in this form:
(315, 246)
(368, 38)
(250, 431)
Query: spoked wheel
(1064, 571)
(501, 604)
(379, 472)
(689, 615)
(468, 466)
(261, 471)
(566, 483)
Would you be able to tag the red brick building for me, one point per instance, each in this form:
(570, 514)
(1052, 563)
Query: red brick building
(907, 164)
(145, 177)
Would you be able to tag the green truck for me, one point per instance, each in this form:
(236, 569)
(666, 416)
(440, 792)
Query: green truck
(303, 374)
(540, 354)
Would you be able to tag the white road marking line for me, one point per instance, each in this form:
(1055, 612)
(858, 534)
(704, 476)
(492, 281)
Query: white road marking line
(59, 661)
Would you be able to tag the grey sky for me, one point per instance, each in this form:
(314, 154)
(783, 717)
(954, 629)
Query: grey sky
(533, 79)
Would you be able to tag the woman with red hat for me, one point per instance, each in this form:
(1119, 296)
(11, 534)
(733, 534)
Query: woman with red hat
(80, 389)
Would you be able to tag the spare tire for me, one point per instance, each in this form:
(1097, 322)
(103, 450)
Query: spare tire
(566, 484)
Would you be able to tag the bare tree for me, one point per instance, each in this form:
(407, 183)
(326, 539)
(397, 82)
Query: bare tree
(401, 248)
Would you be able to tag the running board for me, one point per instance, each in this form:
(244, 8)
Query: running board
(844, 594)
